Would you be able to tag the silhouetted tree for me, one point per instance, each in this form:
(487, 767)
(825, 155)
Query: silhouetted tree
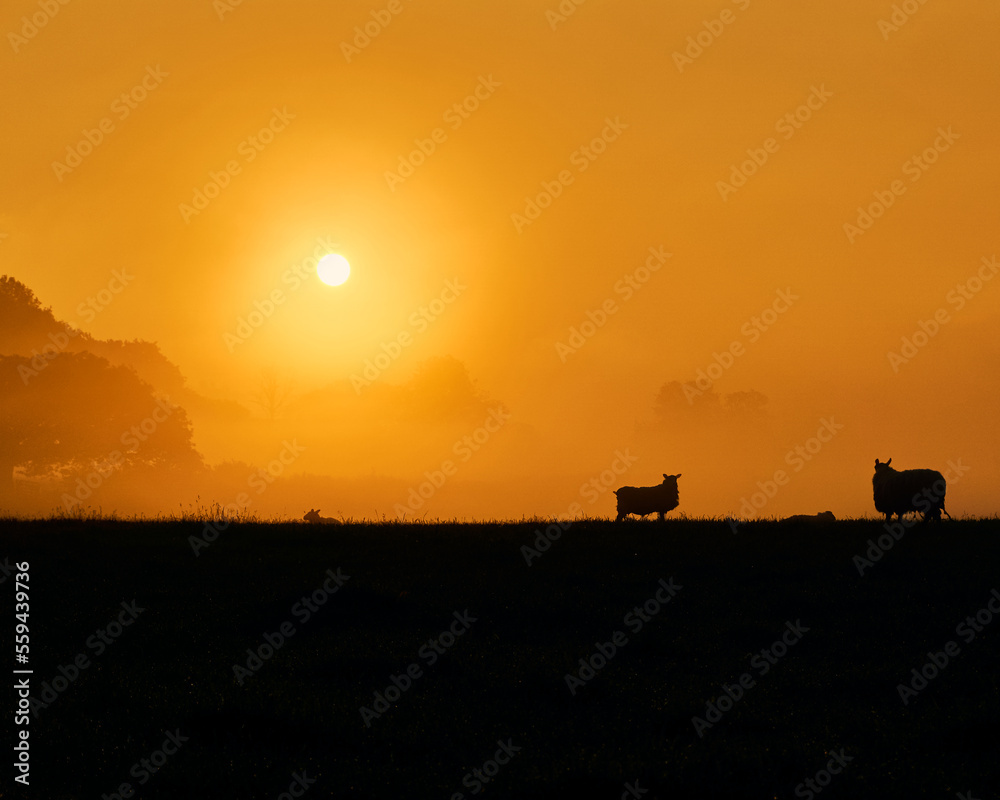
(16, 298)
(27, 329)
(144, 357)
(24, 324)
(442, 389)
(672, 402)
(272, 396)
(748, 406)
(82, 413)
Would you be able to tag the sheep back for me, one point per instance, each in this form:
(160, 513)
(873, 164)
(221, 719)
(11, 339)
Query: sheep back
(901, 491)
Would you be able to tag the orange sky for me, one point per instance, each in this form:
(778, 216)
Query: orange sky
(314, 138)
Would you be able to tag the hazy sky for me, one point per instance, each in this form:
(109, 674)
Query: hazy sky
(684, 177)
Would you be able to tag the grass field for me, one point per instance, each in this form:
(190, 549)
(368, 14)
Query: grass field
(489, 642)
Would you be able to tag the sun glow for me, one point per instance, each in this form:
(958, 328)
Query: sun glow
(333, 269)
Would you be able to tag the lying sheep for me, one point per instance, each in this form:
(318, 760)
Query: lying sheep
(313, 516)
(896, 492)
(643, 500)
(811, 519)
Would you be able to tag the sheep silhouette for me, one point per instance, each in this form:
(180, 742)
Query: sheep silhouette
(643, 500)
(899, 491)
(313, 516)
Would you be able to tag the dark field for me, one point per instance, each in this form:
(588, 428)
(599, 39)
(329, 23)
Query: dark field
(503, 680)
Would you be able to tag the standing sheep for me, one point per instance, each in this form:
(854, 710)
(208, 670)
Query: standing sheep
(897, 492)
(643, 500)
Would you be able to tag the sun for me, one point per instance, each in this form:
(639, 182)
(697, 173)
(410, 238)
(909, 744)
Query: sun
(333, 269)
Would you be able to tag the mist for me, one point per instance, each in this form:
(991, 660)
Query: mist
(745, 244)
